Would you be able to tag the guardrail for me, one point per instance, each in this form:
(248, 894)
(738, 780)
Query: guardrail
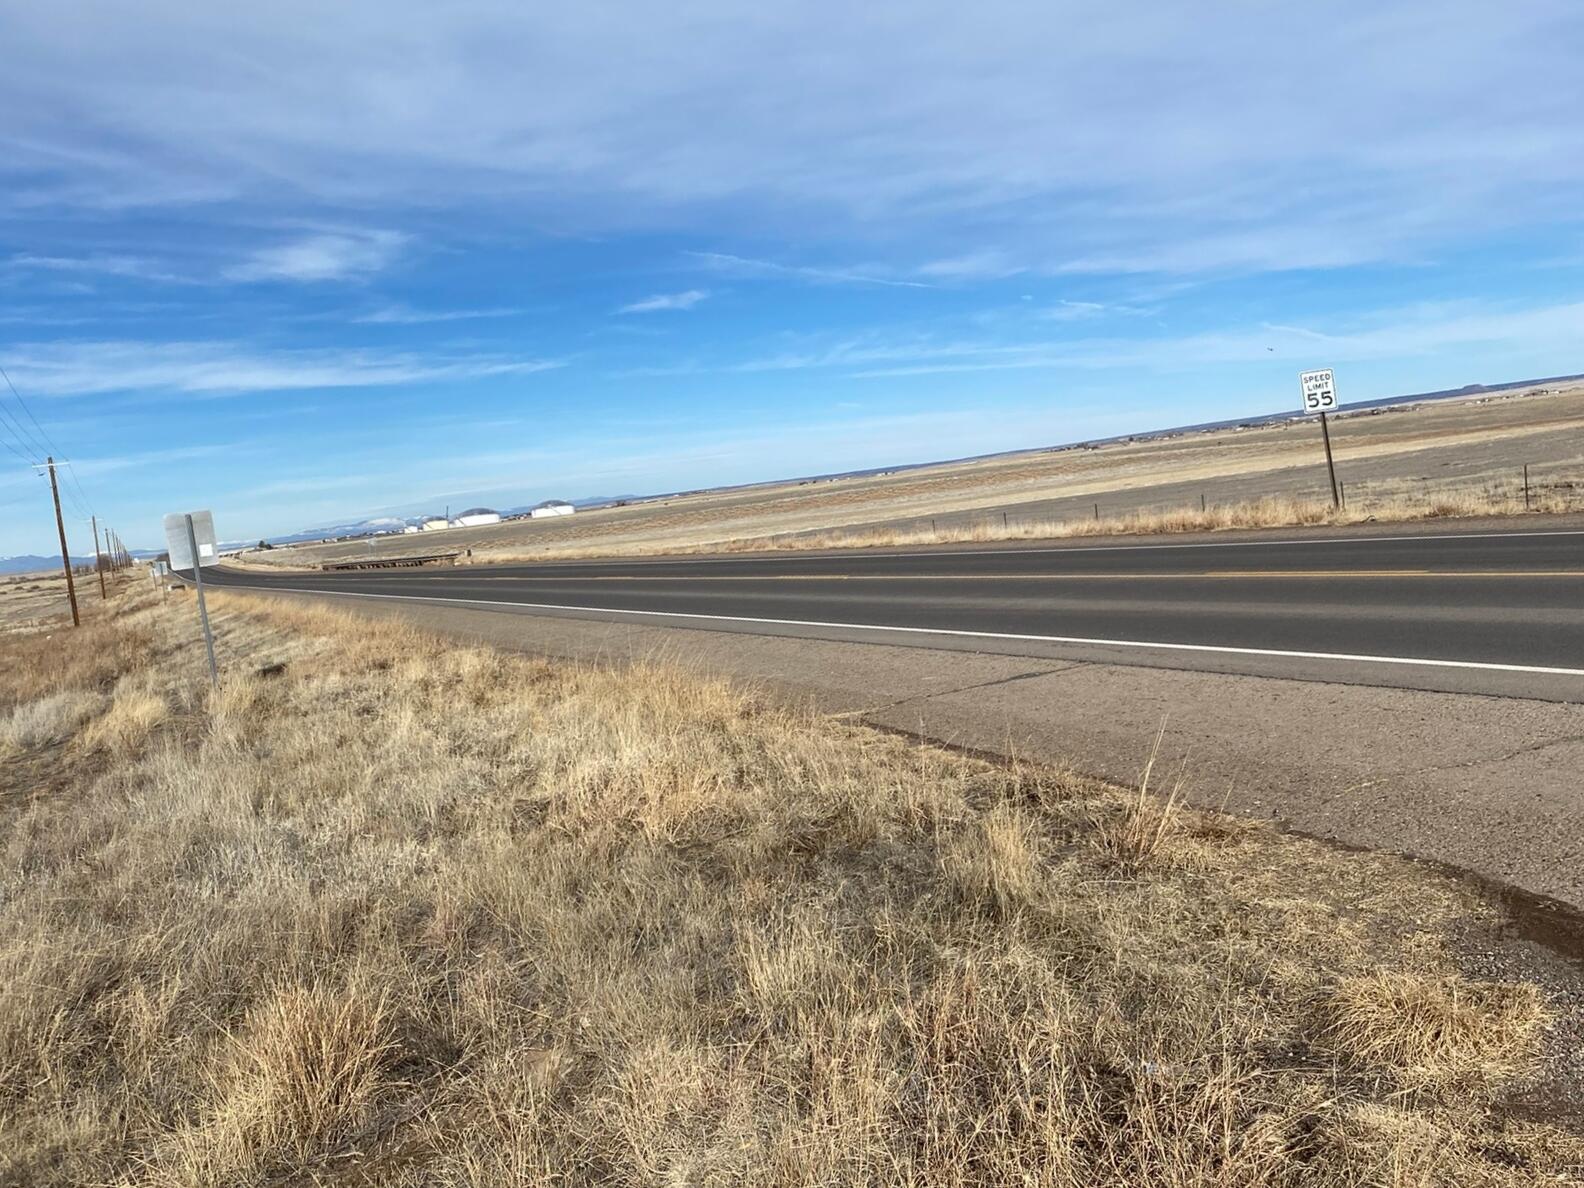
(393, 562)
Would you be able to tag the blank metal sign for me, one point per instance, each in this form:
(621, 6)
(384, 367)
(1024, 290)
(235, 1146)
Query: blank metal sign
(203, 531)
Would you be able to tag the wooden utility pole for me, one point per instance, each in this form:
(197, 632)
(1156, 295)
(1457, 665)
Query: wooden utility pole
(1325, 432)
(99, 562)
(60, 526)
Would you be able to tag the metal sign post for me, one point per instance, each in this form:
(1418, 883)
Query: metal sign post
(190, 539)
(1319, 396)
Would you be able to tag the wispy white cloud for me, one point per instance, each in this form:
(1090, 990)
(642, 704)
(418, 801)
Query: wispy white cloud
(744, 266)
(401, 315)
(666, 301)
(305, 484)
(97, 466)
(1417, 331)
(927, 123)
(989, 264)
(229, 369)
(326, 256)
(1396, 333)
(102, 264)
(1075, 311)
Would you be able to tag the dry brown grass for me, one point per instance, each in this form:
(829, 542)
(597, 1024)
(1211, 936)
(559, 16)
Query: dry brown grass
(1258, 513)
(31, 601)
(411, 913)
(1421, 1030)
(1270, 512)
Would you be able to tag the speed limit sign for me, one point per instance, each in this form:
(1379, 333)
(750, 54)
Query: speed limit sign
(1319, 391)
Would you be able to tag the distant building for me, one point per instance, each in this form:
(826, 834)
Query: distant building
(435, 523)
(477, 517)
(551, 507)
(411, 528)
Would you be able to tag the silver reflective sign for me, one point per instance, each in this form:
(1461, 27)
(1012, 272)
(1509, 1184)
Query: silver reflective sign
(203, 532)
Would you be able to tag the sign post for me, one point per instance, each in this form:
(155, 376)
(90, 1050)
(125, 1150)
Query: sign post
(1319, 396)
(190, 539)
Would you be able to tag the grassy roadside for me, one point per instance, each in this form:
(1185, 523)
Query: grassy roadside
(389, 910)
(1270, 512)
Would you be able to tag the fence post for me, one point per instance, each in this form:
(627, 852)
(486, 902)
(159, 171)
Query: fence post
(1097, 513)
(1201, 502)
(1526, 486)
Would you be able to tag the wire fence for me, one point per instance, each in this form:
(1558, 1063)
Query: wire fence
(1229, 503)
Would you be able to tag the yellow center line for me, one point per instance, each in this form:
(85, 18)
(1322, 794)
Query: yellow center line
(1212, 574)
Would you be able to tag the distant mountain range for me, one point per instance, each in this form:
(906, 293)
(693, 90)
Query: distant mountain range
(33, 563)
(379, 524)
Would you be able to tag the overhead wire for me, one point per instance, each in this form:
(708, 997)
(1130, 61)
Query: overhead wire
(22, 453)
(24, 406)
(84, 503)
(81, 504)
(32, 443)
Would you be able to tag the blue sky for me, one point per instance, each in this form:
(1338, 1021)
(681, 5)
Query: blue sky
(305, 263)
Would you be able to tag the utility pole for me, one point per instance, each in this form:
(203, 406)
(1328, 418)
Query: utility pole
(60, 526)
(99, 562)
(1325, 432)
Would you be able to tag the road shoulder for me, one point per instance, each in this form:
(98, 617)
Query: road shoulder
(1486, 784)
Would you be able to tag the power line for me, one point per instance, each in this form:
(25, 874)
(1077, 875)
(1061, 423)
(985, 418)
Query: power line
(25, 458)
(29, 443)
(76, 482)
(49, 446)
(19, 432)
(81, 502)
(8, 418)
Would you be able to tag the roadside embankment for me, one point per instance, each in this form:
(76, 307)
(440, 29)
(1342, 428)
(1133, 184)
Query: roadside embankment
(387, 909)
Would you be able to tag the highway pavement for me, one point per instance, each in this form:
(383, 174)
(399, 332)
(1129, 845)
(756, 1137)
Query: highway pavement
(1476, 612)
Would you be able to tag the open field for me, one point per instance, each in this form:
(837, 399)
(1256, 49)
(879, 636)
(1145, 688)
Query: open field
(1450, 457)
(390, 910)
(31, 600)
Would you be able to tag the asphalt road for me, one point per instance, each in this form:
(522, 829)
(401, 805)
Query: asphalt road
(1496, 613)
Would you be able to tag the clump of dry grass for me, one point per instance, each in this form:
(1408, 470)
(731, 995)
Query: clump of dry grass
(1139, 833)
(1432, 1030)
(997, 861)
(409, 912)
(52, 718)
(302, 1075)
(134, 714)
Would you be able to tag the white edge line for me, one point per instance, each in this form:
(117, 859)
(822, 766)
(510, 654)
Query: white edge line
(1217, 649)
